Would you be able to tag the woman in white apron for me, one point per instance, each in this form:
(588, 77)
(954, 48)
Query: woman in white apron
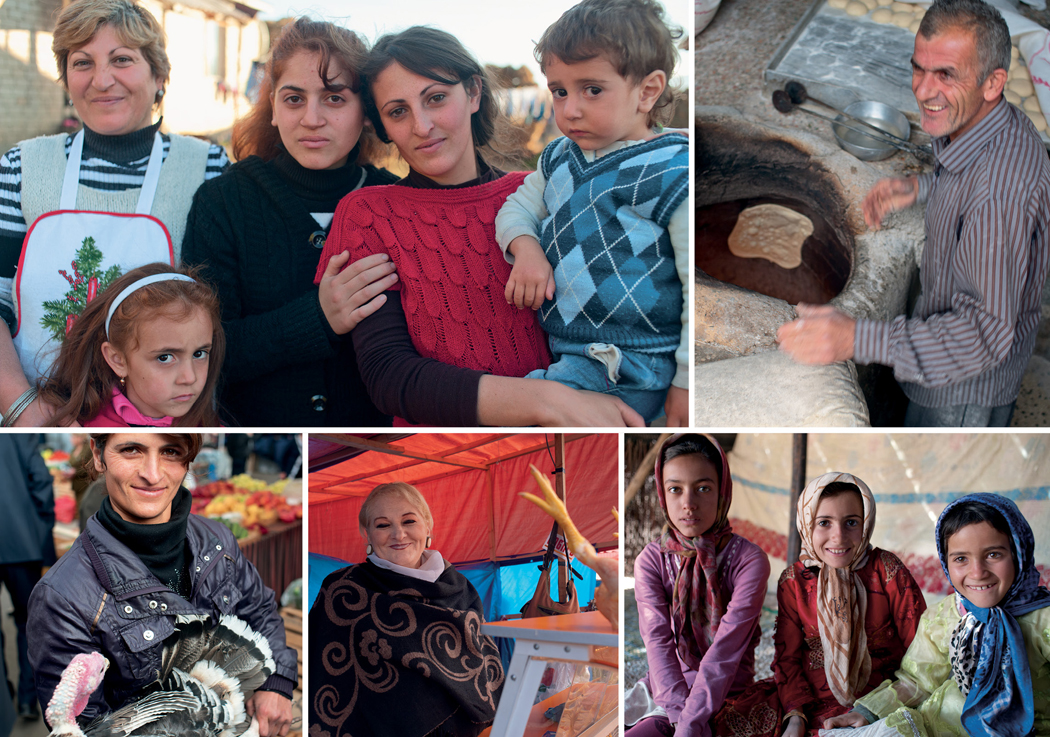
(77, 211)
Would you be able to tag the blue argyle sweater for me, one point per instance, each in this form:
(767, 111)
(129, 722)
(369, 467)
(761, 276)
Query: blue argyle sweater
(606, 238)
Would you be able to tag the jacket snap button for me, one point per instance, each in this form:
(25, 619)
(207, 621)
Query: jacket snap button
(127, 609)
(147, 635)
(164, 607)
(225, 600)
(218, 547)
(153, 605)
(317, 401)
(198, 569)
(207, 557)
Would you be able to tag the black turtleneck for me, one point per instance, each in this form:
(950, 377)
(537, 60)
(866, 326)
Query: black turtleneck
(163, 548)
(486, 174)
(123, 149)
(319, 190)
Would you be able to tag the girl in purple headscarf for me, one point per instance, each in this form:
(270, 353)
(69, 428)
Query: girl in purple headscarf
(980, 662)
(699, 590)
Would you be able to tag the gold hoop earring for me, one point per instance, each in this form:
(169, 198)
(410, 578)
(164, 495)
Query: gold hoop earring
(368, 549)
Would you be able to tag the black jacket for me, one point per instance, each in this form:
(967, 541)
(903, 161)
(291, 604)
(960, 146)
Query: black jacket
(101, 597)
(29, 502)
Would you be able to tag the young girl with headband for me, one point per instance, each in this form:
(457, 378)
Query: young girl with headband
(145, 352)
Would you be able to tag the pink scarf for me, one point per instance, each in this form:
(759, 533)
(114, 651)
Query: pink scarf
(697, 605)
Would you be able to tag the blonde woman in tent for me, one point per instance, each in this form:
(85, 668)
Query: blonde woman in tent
(376, 665)
(699, 590)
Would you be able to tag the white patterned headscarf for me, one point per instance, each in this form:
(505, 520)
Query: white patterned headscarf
(842, 600)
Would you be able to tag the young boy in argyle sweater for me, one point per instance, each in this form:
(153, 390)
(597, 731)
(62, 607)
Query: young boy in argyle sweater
(598, 234)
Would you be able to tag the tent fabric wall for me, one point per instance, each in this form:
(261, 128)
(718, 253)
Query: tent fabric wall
(913, 477)
(504, 588)
(478, 515)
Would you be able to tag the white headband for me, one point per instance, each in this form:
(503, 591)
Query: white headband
(143, 282)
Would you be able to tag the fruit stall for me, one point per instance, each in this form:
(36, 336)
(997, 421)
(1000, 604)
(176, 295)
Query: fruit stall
(265, 518)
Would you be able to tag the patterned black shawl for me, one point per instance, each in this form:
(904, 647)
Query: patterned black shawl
(392, 655)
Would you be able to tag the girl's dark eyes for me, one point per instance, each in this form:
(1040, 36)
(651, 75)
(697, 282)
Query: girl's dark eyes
(592, 90)
(559, 93)
(165, 358)
(293, 100)
(202, 353)
(439, 97)
(852, 523)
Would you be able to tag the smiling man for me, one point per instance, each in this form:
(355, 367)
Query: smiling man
(961, 356)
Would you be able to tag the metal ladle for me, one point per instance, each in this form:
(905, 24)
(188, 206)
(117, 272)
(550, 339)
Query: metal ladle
(785, 102)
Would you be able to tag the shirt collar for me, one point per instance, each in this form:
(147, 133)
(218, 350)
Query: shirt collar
(957, 155)
(124, 409)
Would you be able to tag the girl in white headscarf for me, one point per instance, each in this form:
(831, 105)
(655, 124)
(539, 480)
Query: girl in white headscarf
(846, 614)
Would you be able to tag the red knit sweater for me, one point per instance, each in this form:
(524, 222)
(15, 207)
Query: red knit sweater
(451, 272)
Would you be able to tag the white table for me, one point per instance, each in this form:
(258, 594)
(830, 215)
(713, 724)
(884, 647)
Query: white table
(568, 637)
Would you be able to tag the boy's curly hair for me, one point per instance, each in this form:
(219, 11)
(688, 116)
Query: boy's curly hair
(632, 34)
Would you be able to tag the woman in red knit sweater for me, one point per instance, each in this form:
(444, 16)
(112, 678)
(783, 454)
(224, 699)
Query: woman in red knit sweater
(446, 348)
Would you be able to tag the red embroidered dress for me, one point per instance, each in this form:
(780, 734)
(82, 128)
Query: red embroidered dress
(800, 685)
(451, 272)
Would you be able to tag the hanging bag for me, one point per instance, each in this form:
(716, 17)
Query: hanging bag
(541, 604)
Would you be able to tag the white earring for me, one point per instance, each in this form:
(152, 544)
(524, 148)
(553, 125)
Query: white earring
(368, 549)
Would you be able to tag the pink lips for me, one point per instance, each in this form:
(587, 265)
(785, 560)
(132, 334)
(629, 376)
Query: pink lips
(430, 145)
(313, 142)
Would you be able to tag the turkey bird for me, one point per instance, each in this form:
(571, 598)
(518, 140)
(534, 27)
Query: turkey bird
(206, 677)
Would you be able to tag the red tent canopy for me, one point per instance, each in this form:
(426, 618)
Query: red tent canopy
(471, 482)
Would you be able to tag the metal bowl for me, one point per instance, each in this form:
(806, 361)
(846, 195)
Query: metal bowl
(881, 116)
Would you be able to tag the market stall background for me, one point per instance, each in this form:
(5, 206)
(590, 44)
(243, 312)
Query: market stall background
(913, 477)
(471, 483)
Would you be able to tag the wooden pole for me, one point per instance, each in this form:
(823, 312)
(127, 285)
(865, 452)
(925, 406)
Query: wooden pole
(798, 483)
(559, 490)
(642, 472)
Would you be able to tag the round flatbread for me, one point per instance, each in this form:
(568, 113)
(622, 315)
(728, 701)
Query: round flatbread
(772, 232)
(882, 15)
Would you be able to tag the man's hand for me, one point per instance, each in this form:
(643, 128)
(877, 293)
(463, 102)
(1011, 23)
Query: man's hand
(888, 195)
(532, 278)
(272, 712)
(849, 719)
(677, 407)
(820, 335)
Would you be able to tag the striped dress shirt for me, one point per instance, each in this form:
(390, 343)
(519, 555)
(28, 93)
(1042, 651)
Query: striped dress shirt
(983, 269)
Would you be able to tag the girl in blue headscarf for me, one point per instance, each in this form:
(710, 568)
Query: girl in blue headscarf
(980, 663)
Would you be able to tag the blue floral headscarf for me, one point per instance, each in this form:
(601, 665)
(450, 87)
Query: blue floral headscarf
(989, 657)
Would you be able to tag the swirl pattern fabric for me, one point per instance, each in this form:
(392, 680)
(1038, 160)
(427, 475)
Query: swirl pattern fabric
(990, 660)
(843, 600)
(451, 272)
(399, 656)
(697, 606)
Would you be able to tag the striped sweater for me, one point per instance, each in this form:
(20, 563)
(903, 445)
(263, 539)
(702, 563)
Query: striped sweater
(983, 270)
(110, 164)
